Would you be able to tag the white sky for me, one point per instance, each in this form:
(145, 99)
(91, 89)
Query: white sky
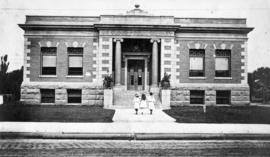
(257, 12)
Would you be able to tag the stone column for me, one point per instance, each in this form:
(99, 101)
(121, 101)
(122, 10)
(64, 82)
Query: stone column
(118, 55)
(155, 62)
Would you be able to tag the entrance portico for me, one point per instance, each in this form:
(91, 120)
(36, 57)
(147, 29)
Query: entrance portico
(136, 63)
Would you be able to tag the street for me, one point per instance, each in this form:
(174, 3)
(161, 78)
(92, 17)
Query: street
(40, 147)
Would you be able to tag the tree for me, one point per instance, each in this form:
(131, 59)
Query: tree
(14, 80)
(10, 82)
(3, 73)
(259, 82)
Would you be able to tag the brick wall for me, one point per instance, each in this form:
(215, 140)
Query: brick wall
(210, 46)
(62, 58)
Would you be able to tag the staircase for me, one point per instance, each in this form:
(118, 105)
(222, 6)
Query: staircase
(124, 98)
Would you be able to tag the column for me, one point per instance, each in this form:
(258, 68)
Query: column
(155, 62)
(118, 54)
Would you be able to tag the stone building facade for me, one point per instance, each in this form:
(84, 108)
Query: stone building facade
(67, 57)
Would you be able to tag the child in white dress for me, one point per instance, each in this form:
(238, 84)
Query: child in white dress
(143, 104)
(151, 102)
(136, 102)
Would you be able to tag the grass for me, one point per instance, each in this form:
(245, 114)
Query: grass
(221, 114)
(52, 113)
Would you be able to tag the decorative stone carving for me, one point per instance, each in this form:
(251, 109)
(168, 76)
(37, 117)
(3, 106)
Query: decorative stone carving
(75, 44)
(49, 44)
(137, 33)
(118, 39)
(155, 40)
(223, 46)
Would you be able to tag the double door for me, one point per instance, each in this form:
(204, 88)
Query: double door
(136, 75)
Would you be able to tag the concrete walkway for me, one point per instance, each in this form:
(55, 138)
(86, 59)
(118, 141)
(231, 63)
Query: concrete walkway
(135, 127)
(129, 116)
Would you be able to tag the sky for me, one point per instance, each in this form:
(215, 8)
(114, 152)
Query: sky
(257, 13)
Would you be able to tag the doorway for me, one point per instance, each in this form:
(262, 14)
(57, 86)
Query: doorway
(136, 74)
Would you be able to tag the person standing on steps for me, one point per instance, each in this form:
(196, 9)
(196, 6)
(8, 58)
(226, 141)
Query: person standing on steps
(151, 102)
(143, 104)
(136, 102)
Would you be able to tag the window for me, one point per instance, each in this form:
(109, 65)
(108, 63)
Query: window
(74, 95)
(223, 97)
(75, 60)
(196, 97)
(47, 95)
(48, 55)
(196, 63)
(222, 63)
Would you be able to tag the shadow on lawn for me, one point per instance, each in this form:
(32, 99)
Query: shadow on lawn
(55, 113)
(221, 114)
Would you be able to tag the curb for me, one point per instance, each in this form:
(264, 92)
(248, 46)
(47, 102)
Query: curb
(134, 136)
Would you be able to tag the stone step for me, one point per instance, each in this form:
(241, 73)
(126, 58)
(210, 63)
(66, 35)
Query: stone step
(124, 98)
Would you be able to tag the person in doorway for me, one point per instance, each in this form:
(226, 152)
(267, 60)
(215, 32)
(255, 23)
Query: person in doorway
(151, 102)
(143, 104)
(136, 102)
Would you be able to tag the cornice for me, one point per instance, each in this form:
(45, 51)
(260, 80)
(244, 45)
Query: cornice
(37, 27)
(226, 30)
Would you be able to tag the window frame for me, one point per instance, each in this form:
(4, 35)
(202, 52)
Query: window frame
(71, 53)
(69, 97)
(42, 96)
(51, 51)
(200, 53)
(223, 97)
(226, 54)
(196, 96)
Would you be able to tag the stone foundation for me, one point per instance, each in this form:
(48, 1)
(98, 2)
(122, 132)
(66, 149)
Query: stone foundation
(180, 96)
(30, 93)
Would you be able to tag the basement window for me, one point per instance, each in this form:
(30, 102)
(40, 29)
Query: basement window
(223, 97)
(74, 95)
(196, 97)
(47, 95)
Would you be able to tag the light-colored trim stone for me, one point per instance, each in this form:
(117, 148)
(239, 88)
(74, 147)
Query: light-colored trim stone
(74, 76)
(223, 78)
(204, 85)
(177, 67)
(63, 84)
(96, 59)
(172, 59)
(26, 59)
(48, 76)
(244, 62)
(197, 78)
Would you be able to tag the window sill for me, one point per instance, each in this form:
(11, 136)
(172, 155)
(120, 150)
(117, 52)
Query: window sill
(223, 78)
(47, 103)
(197, 78)
(74, 76)
(52, 76)
(73, 104)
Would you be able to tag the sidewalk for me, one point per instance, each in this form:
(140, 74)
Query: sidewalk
(134, 129)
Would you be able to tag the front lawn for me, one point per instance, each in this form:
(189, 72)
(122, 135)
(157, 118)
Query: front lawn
(54, 113)
(221, 114)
